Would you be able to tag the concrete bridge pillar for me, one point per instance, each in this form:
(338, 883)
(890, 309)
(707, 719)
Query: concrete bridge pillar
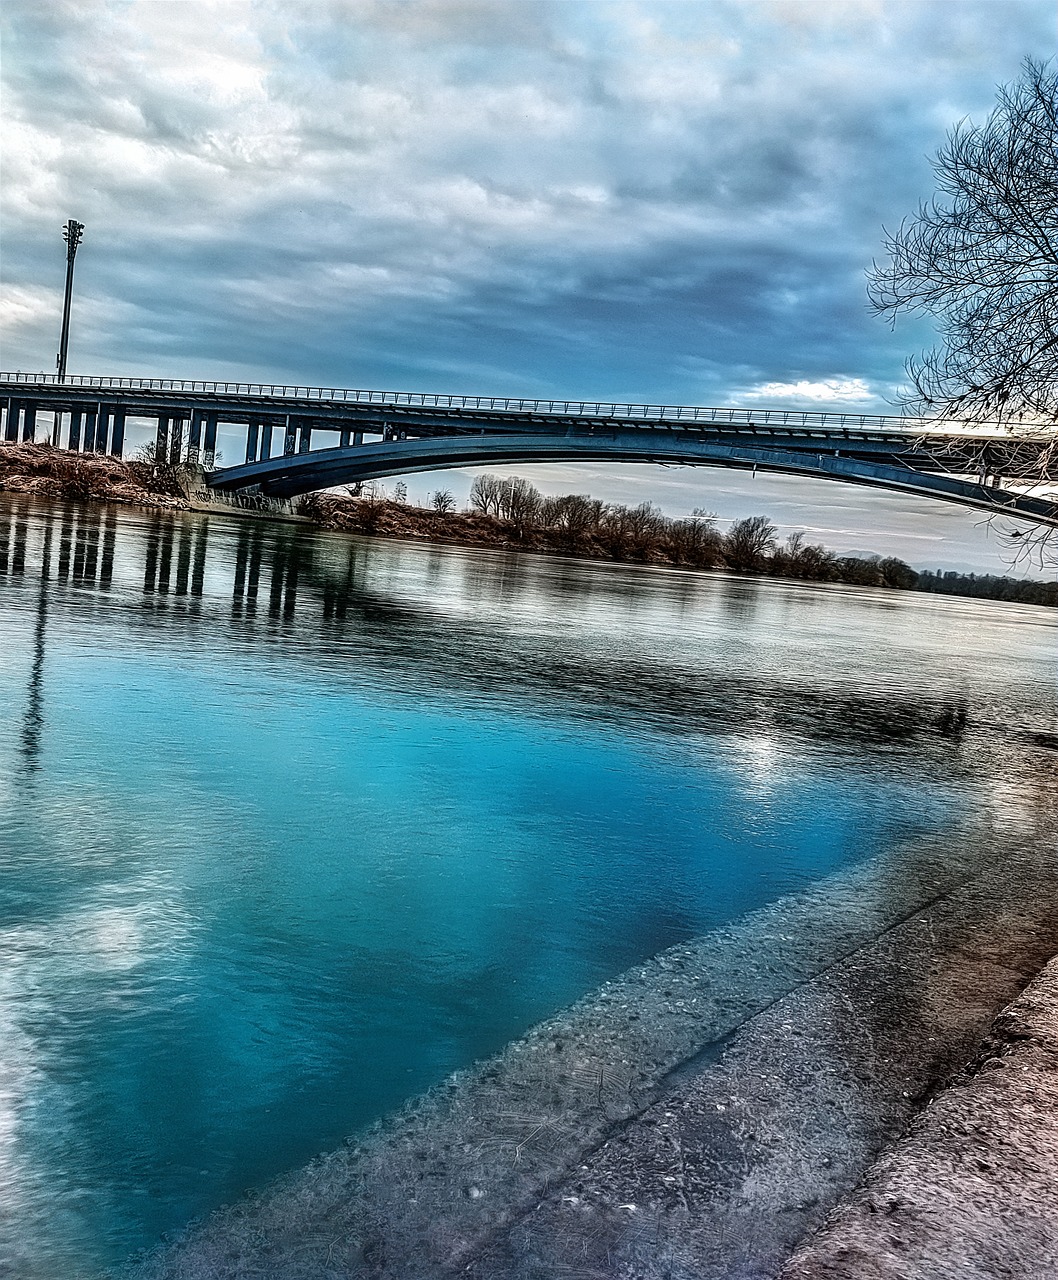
(251, 441)
(117, 437)
(102, 428)
(89, 443)
(266, 441)
(161, 439)
(290, 438)
(176, 440)
(209, 449)
(304, 435)
(14, 413)
(73, 440)
(194, 441)
(29, 422)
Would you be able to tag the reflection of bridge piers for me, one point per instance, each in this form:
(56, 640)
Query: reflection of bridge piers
(316, 595)
(332, 437)
(175, 559)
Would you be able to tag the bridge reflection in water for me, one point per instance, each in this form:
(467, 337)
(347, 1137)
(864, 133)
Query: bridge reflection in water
(241, 583)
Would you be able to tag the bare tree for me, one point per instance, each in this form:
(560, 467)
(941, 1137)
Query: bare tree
(575, 515)
(485, 495)
(749, 543)
(982, 259)
(443, 501)
(521, 502)
(695, 541)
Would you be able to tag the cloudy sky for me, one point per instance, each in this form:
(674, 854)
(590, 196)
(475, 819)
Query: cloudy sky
(632, 201)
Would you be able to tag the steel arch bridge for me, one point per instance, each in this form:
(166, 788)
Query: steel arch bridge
(333, 436)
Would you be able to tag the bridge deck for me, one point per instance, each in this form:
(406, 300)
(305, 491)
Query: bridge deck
(381, 433)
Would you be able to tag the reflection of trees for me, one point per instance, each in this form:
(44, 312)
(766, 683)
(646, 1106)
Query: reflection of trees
(316, 594)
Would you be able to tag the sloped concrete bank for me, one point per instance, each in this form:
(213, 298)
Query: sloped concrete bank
(695, 1117)
(972, 1190)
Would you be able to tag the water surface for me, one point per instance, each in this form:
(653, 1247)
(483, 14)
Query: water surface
(295, 824)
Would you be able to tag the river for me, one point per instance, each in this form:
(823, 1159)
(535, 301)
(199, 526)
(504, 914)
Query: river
(295, 824)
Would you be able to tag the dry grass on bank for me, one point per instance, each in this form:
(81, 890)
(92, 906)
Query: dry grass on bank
(47, 472)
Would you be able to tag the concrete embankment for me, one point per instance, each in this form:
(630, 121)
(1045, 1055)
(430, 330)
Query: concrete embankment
(695, 1117)
(971, 1192)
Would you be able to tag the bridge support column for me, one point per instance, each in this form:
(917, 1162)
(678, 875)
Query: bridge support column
(251, 442)
(29, 423)
(117, 437)
(194, 442)
(73, 440)
(304, 435)
(209, 449)
(14, 412)
(176, 440)
(161, 439)
(102, 428)
(56, 429)
(266, 441)
(89, 442)
(290, 439)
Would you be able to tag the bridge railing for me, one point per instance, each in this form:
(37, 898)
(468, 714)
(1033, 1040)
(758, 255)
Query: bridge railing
(689, 414)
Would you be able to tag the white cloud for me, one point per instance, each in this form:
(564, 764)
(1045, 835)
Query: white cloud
(836, 391)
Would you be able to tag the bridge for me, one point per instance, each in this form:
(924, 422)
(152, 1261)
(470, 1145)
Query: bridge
(299, 438)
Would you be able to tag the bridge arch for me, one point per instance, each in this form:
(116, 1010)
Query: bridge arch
(295, 474)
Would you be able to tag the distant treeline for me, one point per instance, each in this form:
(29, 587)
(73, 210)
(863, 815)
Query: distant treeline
(988, 586)
(513, 512)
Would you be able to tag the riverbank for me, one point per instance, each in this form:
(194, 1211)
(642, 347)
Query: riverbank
(970, 1190)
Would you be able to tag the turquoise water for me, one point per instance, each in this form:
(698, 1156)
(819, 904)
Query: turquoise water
(293, 824)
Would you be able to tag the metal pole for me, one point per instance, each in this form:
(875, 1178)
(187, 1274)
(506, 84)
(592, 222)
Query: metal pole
(72, 234)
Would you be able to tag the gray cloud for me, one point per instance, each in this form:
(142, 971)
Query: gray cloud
(635, 201)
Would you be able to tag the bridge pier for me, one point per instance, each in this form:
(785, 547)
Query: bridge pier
(266, 441)
(290, 437)
(117, 435)
(304, 435)
(102, 428)
(73, 440)
(29, 422)
(209, 450)
(251, 441)
(88, 442)
(14, 413)
(161, 438)
(176, 439)
(194, 440)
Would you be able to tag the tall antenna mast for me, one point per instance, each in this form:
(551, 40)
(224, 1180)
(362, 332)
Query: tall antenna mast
(71, 233)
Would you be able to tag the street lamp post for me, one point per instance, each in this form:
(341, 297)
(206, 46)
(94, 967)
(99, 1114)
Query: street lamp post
(71, 233)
